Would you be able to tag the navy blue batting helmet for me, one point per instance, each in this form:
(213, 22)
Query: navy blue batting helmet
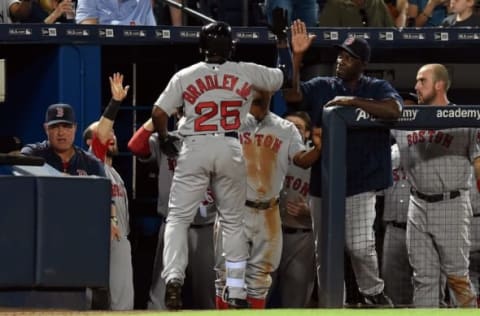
(216, 40)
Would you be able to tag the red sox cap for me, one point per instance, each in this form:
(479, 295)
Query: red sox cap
(357, 47)
(59, 113)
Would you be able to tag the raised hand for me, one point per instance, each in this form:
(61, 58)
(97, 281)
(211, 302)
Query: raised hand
(119, 92)
(301, 39)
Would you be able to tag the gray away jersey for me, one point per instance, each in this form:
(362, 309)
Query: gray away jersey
(438, 161)
(217, 97)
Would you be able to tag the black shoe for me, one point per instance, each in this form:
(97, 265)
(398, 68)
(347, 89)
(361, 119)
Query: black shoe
(378, 300)
(237, 303)
(173, 294)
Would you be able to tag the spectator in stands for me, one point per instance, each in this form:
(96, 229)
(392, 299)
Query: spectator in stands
(462, 14)
(176, 16)
(43, 11)
(126, 12)
(6, 7)
(305, 10)
(427, 12)
(59, 150)
(368, 151)
(355, 13)
(101, 139)
(398, 10)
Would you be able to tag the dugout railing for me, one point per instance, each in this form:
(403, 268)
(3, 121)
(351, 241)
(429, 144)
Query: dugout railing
(336, 121)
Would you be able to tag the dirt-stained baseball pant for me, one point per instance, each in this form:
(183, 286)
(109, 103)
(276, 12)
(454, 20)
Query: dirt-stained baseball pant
(433, 249)
(264, 234)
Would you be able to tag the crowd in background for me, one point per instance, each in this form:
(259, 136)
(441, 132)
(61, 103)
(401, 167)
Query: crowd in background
(322, 13)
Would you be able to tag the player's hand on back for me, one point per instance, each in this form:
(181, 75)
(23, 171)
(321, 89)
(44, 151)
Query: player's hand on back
(119, 92)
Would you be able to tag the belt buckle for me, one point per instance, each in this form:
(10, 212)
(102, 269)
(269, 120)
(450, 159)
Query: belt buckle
(446, 195)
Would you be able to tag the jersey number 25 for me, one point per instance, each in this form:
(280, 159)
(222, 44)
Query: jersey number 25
(230, 116)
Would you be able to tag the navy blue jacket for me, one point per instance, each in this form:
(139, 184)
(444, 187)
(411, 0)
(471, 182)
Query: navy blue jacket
(82, 163)
(368, 150)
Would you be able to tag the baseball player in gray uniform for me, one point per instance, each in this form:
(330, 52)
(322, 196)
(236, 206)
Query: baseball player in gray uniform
(216, 94)
(396, 269)
(269, 144)
(199, 290)
(297, 263)
(99, 136)
(438, 164)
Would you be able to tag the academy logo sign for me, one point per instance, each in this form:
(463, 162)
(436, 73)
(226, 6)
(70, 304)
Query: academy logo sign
(407, 115)
(362, 115)
(459, 113)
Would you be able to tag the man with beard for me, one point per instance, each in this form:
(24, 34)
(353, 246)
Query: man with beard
(438, 164)
(368, 155)
(103, 143)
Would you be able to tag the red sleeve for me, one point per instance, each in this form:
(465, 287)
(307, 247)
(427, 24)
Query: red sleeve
(138, 144)
(99, 149)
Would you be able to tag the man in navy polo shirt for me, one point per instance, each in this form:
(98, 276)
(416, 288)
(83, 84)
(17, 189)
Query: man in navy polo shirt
(59, 150)
(368, 150)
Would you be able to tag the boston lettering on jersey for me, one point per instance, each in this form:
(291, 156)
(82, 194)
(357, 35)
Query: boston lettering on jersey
(261, 140)
(212, 82)
(399, 174)
(429, 136)
(296, 184)
(117, 191)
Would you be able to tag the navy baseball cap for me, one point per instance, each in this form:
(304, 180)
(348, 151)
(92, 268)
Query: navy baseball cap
(357, 47)
(59, 113)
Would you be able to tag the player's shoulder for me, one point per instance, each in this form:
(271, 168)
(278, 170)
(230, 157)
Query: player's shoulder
(191, 69)
(281, 122)
(374, 82)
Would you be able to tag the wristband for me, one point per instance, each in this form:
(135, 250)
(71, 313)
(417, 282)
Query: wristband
(112, 109)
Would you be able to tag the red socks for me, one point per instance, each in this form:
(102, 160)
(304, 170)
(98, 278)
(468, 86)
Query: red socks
(256, 303)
